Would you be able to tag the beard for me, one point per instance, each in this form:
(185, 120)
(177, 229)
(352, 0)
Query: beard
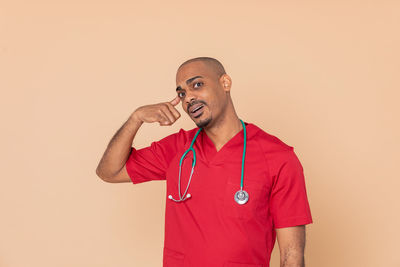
(204, 123)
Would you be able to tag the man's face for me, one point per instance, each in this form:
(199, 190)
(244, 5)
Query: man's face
(201, 93)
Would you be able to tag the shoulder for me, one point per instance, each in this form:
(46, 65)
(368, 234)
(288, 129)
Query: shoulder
(277, 153)
(270, 143)
(178, 138)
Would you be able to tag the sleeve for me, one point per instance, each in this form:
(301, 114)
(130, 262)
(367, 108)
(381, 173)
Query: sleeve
(151, 163)
(288, 200)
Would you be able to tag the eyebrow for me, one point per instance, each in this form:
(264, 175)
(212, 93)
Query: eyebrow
(188, 81)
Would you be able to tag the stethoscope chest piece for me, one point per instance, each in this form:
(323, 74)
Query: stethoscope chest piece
(241, 197)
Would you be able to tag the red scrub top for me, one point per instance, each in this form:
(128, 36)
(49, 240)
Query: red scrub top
(210, 228)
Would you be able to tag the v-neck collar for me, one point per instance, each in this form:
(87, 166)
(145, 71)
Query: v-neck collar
(211, 155)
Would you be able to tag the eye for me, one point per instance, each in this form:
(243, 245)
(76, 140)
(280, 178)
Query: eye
(179, 94)
(201, 83)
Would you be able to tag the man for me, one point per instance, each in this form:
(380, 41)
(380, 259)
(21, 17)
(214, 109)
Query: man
(205, 225)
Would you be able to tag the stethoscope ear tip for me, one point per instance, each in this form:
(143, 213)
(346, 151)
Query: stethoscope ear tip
(170, 196)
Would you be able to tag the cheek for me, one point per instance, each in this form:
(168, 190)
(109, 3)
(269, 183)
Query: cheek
(209, 99)
(184, 107)
(217, 105)
(212, 108)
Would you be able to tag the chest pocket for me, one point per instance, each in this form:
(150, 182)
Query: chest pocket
(254, 207)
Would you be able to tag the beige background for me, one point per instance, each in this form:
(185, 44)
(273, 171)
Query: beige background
(323, 76)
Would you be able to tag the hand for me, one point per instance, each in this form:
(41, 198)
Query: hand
(164, 113)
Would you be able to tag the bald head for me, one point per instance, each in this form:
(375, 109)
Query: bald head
(211, 63)
(203, 81)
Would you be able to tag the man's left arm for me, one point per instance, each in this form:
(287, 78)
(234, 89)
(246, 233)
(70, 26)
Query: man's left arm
(291, 241)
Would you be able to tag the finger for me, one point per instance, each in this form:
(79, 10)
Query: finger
(167, 116)
(161, 118)
(170, 115)
(175, 101)
(173, 110)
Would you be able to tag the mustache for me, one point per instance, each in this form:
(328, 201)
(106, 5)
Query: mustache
(194, 103)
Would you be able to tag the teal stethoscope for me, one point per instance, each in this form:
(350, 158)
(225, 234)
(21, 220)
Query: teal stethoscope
(241, 196)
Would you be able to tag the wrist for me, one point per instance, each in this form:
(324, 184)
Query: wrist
(134, 121)
(135, 118)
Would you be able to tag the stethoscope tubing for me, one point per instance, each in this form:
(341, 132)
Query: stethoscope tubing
(186, 196)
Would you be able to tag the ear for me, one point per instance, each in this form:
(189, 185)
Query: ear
(226, 82)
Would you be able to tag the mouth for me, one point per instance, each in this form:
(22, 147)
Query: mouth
(197, 111)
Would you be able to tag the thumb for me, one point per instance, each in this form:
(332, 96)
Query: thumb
(175, 101)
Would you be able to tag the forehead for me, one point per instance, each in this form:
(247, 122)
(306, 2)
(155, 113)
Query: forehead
(189, 70)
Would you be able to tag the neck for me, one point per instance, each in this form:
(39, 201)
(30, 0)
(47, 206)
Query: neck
(224, 129)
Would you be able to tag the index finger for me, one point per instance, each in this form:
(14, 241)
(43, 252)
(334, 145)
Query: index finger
(173, 110)
(175, 101)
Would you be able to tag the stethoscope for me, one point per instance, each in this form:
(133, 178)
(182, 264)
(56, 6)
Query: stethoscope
(241, 196)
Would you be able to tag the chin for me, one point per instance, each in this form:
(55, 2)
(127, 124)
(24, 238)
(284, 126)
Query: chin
(201, 123)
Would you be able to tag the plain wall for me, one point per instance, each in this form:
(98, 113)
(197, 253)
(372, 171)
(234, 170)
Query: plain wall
(323, 76)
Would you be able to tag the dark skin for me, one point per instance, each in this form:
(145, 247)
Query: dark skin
(218, 119)
(221, 123)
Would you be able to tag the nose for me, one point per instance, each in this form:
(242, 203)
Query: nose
(189, 98)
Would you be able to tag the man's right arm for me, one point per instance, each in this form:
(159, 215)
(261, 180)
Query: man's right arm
(112, 166)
